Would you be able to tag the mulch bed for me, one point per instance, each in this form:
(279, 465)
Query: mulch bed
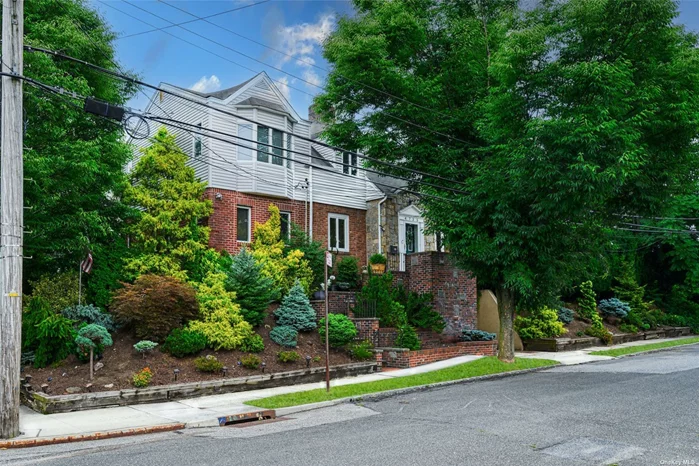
(121, 361)
(576, 326)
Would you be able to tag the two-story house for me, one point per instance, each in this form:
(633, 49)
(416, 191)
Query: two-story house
(304, 179)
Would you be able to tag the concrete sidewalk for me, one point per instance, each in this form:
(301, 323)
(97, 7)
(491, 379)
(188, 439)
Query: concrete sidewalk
(205, 411)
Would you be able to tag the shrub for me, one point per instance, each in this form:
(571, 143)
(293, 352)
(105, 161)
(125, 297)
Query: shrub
(341, 330)
(674, 320)
(91, 338)
(296, 310)
(628, 328)
(60, 290)
(36, 311)
(419, 310)
(250, 361)
(348, 271)
(253, 344)
(220, 318)
(541, 324)
(184, 342)
(142, 378)
(377, 292)
(288, 356)
(614, 308)
(476, 335)
(285, 336)
(587, 305)
(598, 330)
(155, 306)
(253, 290)
(629, 291)
(565, 315)
(361, 351)
(145, 346)
(208, 363)
(313, 252)
(90, 314)
(407, 338)
(268, 250)
(56, 340)
(377, 259)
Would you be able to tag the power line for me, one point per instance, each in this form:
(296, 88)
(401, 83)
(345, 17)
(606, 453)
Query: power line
(309, 63)
(229, 113)
(249, 57)
(192, 20)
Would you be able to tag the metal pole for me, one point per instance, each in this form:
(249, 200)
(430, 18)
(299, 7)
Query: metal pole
(11, 213)
(327, 340)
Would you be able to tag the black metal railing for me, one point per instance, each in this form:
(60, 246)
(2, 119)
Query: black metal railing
(364, 310)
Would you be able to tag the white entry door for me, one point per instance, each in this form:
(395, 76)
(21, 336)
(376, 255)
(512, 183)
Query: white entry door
(410, 233)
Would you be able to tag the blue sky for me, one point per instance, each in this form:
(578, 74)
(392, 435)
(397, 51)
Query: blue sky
(295, 27)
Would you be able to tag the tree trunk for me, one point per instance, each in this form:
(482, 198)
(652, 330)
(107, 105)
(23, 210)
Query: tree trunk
(506, 336)
(91, 364)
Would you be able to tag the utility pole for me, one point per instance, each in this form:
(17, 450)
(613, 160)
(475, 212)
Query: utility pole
(11, 215)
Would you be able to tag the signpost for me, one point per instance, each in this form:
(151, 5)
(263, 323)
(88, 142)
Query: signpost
(328, 263)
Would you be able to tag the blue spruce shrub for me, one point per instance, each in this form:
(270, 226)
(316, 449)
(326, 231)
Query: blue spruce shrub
(476, 335)
(614, 308)
(565, 315)
(284, 335)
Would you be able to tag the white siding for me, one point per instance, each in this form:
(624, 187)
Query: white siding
(261, 90)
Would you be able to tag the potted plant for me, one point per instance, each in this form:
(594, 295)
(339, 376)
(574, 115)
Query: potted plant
(378, 263)
(331, 283)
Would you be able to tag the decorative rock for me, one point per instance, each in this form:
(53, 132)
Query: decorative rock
(73, 390)
(109, 385)
(45, 388)
(99, 366)
(88, 387)
(64, 374)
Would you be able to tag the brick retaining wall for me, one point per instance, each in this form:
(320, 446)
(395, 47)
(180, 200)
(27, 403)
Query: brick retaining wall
(404, 358)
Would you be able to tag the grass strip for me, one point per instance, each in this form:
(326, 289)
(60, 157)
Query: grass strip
(482, 366)
(649, 347)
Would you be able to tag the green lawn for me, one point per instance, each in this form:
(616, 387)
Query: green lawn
(483, 366)
(649, 347)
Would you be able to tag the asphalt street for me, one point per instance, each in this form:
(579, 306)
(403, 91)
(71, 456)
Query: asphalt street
(641, 410)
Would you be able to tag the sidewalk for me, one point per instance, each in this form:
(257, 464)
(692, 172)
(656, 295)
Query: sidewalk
(205, 411)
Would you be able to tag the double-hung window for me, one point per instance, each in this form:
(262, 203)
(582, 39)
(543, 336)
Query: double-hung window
(338, 232)
(289, 148)
(350, 163)
(285, 224)
(245, 132)
(264, 136)
(243, 224)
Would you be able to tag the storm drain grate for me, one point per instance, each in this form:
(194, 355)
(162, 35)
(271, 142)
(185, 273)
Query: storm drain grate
(593, 449)
(243, 418)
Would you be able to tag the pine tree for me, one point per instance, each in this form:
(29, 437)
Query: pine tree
(296, 310)
(587, 305)
(254, 291)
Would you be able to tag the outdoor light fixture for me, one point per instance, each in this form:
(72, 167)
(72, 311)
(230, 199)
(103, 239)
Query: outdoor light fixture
(224, 369)
(308, 361)
(176, 372)
(219, 196)
(239, 363)
(263, 367)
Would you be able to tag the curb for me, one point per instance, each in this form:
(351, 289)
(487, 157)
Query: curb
(657, 350)
(401, 391)
(37, 442)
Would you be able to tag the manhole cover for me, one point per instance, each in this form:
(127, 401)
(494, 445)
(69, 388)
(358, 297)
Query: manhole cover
(593, 449)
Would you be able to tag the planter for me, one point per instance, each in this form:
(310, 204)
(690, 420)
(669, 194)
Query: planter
(333, 287)
(343, 286)
(378, 268)
(318, 295)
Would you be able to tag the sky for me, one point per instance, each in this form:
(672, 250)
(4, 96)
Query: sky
(286, 35)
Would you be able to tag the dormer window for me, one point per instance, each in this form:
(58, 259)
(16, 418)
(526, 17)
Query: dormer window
(264, 135)
(350, 163)
(196, 147)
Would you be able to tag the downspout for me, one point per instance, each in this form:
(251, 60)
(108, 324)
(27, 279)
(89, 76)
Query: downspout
(379, 220)
(310, 202)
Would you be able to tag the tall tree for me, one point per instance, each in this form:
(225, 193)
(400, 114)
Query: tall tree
(73, 161)
(168, 238)
(557, 120)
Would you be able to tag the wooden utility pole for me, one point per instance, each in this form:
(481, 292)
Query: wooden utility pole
(11, 214)
(328, 263)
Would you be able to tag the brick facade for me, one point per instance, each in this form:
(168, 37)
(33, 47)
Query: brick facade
(402, 358)
(367, 329)
(223, 220)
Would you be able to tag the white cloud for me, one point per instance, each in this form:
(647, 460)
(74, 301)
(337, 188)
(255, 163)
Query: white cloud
(283, 86)
(312, 79)
(302, 39)
(305, 62)
(207, 84)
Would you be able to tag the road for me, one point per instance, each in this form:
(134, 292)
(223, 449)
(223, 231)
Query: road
(640, 410)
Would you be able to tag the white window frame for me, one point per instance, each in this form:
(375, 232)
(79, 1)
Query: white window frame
(197, 138)
(335, 218)
(249, 209)
(266, 149)
(350, 164)
(288, 228)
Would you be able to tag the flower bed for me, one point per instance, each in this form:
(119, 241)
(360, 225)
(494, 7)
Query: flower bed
(403, 358)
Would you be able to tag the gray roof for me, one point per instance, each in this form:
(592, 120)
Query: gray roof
(255, 102)
(222, 94)
(389, 184)
(320, 161)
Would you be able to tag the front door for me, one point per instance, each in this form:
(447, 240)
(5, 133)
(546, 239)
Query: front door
(410, 233)
(410, 238)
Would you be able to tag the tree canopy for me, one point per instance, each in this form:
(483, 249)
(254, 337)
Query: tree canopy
(554, 122)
